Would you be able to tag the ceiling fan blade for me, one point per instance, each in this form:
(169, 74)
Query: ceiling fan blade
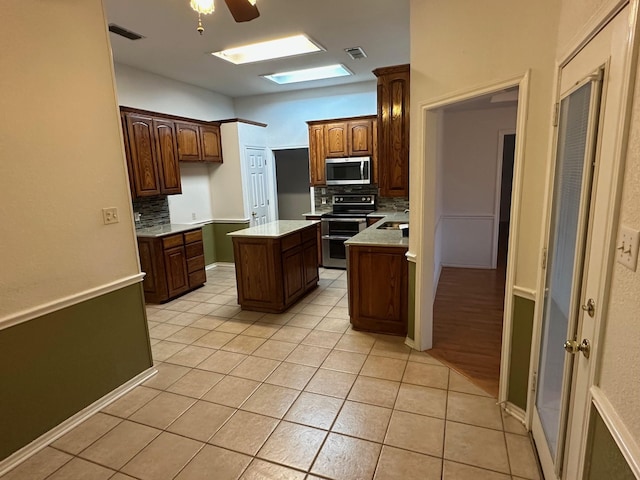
(242, 10)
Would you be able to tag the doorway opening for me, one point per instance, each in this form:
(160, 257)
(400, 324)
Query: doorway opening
(292, 183)
(475, 177)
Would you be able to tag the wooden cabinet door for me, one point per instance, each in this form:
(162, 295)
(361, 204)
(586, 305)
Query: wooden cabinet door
(293, 271)
(188, 136)
(393, 131)
(360, 138)
(167, 157)
(335, 140)
(211, 147)
(317, 155)
(142, 151)
(175, 263)
(378, 289)
(310, 260)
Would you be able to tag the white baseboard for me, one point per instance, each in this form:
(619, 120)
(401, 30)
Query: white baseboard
(515, 412)
(58, 431)
(410, 343)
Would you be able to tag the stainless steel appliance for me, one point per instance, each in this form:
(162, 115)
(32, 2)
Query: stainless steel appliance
(349, 217)
(348, 171)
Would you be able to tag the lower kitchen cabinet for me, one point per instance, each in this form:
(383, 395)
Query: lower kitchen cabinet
(272, 273)
(378, 278)
(174, 264)
(319, 234)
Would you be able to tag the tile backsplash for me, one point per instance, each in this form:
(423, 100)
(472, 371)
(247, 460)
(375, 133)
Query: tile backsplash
(153, 211)
(384, 203)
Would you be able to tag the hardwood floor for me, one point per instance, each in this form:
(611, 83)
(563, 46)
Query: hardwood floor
(467, 324)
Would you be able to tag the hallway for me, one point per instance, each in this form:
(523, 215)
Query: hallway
(293, 396)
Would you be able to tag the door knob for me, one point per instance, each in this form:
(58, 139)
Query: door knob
(574, 347)
(590, 307)
(254, 214)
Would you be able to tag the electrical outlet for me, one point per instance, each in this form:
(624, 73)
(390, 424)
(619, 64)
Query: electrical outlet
(110, 215)
(627, 247)
(323, 201)
(193, 216)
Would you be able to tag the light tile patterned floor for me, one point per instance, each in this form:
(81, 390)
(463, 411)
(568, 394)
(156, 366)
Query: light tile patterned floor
(299, 395)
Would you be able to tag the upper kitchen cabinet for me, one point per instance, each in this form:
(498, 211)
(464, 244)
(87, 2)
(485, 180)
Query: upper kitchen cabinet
(199, 143)
(343, 137)
(393, 130)
(152, 155)
(211, 144)
(316, 155)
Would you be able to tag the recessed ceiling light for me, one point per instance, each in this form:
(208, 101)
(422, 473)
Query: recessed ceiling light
(258, 52)
(318, 73)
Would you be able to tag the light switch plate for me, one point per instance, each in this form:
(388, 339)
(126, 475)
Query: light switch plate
(627, 247)
(110, 215)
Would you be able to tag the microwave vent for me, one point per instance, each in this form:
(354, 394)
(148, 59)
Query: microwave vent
(123, 32)
(356, 53)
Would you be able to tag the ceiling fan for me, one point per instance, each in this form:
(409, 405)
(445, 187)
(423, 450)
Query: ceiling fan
(241, 10)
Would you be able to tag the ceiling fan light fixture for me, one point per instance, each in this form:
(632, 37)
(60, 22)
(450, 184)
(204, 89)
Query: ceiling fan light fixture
(252, 2)
(204, 7)
(309, 74)
(269, 50)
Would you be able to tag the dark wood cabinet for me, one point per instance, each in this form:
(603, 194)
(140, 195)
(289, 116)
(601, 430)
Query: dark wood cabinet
(272, 273)
(167, 157)
(393, 130)
(348, 137)
(211, 143)
(189, 144)
(199, 143)
(142, 155)
(319, 237)
(173, 264)
(316, 155)
(378, 279)
(335, 140)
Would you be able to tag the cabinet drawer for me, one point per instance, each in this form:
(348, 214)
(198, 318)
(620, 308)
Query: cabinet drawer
(197, 278)
(194, 249)
(309, 234)
(290, 241)
(195, 236)
(196, 263)
(172, 241)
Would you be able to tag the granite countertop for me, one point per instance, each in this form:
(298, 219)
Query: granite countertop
(317, 213)
(380, 237)
(167, 229)
(276, 229)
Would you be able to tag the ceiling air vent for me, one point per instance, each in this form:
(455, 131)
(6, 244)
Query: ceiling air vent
(123, 32)
(355, 53)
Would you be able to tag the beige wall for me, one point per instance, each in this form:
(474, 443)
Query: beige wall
(61, 155)
(459, 46)
(621, 357)
(574, 15)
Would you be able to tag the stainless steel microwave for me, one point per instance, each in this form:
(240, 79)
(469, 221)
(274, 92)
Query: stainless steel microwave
(348, 171)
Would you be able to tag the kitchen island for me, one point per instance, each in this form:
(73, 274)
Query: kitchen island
(276, 264)
(378, 277)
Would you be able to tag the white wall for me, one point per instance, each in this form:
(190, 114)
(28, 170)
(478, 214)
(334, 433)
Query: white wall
(469, 185)
(62, 156)
(229, 200)
(286, 114)
(147, 91)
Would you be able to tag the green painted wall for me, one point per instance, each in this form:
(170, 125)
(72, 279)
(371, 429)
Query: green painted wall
(208, 242)
(604, 459)
(411, 323)
(55, 365)
(521, 335)
(223, 243)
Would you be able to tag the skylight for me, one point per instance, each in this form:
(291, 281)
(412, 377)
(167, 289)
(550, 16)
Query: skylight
(306, 75)
(258, 52)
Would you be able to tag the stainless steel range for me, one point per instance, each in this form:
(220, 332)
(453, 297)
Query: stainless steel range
(349, 217)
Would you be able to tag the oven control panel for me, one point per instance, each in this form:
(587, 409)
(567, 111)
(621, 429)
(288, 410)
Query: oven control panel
(354, 199)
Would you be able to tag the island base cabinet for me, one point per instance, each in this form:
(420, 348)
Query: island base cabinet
(273, 273)
(378, 280)
(173, 265)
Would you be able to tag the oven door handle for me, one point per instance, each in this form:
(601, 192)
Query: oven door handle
(334, 237)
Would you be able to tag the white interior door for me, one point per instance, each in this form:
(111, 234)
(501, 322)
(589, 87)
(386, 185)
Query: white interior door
(588, 125)
(258, 187)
